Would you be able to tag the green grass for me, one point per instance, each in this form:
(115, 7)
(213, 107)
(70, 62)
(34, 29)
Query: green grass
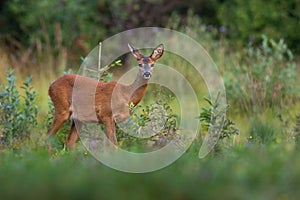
(243, 172)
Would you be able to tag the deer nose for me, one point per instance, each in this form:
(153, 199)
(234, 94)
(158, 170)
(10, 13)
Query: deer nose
(147, 75)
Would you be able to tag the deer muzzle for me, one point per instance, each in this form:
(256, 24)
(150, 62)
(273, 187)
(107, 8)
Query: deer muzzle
(147, 75)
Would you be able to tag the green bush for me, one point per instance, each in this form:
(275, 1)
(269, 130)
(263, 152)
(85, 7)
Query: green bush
(33, 20)
(18, 114)
(249, 19)
(207, 116)
(264, 77)
(157, 118)
(194, 26)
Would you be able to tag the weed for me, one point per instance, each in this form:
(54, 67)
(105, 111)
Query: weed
(18, 113)
(265, 77)
(152, 125)
(206, 116)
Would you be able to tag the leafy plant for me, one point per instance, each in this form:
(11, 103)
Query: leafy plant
(18, 113)
(265, 77)
(156, 119)
(255, 17)
(208, 113)
(101, 74)
(30, 22)
(105, 75)
(211, 37)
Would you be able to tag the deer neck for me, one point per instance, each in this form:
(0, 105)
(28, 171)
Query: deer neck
(137, 89)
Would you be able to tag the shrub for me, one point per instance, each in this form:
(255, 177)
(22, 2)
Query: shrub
(277, 19)
(50, 41)
(32, 21)
(207, 115)
(157, 118)
(18, 114)
(209, 36)
(264, 77)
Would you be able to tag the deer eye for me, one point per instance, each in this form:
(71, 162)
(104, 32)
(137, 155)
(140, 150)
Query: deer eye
(152, 65)
(140, 65)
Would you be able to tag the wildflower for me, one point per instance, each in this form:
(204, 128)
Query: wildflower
(222, 29)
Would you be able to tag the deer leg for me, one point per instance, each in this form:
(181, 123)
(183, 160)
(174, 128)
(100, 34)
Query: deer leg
(110, 130)
(73, 134)
(58, 121)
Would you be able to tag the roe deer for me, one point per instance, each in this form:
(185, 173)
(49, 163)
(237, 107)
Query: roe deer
(103, 108)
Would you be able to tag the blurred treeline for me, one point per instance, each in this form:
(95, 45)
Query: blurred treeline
(78, 25)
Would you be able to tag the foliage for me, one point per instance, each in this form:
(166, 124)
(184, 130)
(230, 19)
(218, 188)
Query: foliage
(209, 36)
(105, 75)
(55, 39)
(246, 172)
(248, 20)
(31, 20)
(206, 116)
(270, 130)
(156, 119)
(264, 77)
(261, 132)
(18, 114)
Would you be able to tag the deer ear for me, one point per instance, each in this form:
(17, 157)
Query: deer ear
(157, 52)
(135, 52)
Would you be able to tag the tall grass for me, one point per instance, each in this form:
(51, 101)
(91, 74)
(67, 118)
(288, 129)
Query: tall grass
(265, 77)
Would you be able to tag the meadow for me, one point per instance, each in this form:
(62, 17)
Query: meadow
(257, 155)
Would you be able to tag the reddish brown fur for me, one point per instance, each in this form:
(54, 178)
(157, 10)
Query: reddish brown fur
(61, 95)
(110, 101)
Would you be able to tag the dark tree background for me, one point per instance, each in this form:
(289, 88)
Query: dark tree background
(79, 25)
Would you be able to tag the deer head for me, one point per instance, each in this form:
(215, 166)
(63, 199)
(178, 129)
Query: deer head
(146, 63)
